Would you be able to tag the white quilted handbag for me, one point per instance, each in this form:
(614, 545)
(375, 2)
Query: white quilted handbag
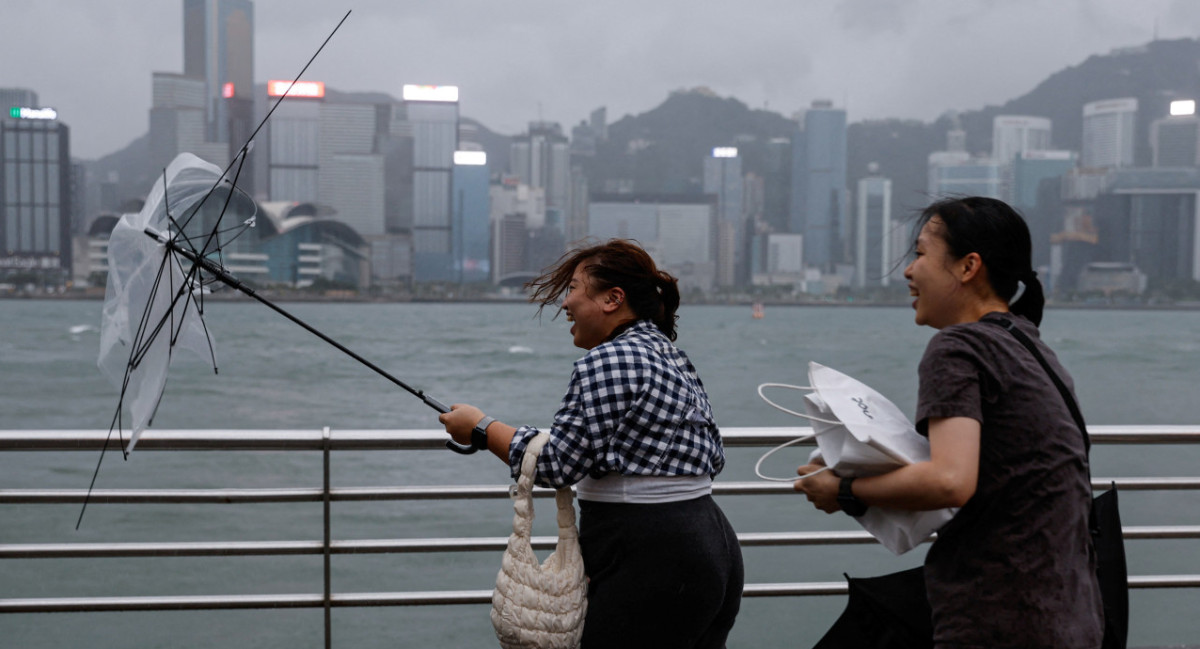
(542, 605)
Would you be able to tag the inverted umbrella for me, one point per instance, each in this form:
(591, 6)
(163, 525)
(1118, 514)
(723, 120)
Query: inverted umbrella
(162, 261)
(153, 304)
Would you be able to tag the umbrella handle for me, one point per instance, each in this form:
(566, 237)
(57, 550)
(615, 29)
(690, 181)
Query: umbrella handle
(462, 449)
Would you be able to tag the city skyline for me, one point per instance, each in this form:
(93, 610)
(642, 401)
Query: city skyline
(557, 63)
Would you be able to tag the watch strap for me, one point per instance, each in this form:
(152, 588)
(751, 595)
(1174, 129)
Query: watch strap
(848, 501)
(479, 433)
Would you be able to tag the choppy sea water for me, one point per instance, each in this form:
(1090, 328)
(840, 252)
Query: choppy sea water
(1130, 367)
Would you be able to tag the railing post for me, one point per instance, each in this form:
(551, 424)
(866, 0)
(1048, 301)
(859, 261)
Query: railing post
(325, 438)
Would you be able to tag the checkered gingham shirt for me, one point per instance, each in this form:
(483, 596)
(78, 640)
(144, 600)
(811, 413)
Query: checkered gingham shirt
(635, 406)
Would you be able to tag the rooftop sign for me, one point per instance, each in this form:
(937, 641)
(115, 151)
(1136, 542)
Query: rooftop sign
(430, 93)
(725, 152)
(475, 158)
(1183, 107)
(314, 89)
(17, 112)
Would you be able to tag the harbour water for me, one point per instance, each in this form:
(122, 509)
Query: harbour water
(1130, 367)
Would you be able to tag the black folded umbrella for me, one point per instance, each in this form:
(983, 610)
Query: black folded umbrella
(889, 612)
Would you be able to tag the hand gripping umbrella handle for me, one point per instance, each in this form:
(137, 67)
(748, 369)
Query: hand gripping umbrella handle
(464, 449)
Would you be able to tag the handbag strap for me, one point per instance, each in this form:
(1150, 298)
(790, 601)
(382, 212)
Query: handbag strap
(1011, 327)
(523, 495)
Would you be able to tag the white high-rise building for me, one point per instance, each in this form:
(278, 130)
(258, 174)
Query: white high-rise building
(873, 257)
(1108, 133)
(1015, 134)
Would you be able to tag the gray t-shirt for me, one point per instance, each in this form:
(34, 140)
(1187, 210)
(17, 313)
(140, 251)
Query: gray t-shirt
(1014, 567)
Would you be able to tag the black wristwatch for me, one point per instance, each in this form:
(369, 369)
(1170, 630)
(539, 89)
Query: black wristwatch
(479, 434)
(848, 501)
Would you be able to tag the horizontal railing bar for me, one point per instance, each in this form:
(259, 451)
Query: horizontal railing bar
(461, 544)
(432, 492)
(434, 439)
(417, 598)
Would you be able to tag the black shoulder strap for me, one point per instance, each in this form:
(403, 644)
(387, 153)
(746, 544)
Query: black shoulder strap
(1011, 328)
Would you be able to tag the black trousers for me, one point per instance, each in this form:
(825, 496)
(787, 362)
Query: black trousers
(661, 576)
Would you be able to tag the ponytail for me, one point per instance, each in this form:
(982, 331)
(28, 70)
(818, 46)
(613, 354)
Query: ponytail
(1029, 299)
(668, 289)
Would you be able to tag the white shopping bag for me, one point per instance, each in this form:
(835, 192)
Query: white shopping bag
(861, 433)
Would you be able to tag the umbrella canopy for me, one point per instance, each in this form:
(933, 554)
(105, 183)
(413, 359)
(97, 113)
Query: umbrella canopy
(152, 303)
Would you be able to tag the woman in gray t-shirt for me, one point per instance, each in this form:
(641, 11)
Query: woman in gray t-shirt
(1015, 566)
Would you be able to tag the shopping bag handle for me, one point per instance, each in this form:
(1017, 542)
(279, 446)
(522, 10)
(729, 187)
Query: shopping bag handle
(802, 438)
(789, 411)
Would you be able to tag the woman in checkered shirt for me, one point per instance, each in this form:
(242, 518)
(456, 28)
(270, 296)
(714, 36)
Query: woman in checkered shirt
(635, 435)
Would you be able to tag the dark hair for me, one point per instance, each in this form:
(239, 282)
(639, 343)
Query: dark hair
(998, 233)
(651, 293)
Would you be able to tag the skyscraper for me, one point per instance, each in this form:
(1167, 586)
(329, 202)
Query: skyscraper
(293, 137)
(1108, 133)
(431, 114)
(17, 97)
(1014, 134)
(516, 209)
(1175, 139)
(471, 216)
(819, 209)
(540, 158)
(873, 256)
(218, 47)
(177, 120)
(350, 177)
(723, 179)
(35, 193)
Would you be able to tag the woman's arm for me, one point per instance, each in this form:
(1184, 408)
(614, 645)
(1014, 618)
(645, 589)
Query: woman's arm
(948, 479)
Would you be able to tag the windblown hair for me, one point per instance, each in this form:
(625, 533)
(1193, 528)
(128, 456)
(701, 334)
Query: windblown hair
(652, 294)
(998, 233)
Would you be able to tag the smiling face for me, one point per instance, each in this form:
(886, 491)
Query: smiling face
(587, 312)
(938, 290)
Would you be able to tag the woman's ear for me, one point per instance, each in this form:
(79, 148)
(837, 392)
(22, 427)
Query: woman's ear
(970, 267)
(614, 299)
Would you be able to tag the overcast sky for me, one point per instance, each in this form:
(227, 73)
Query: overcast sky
(559, 59)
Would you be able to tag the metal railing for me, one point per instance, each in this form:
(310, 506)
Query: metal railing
(326, 441)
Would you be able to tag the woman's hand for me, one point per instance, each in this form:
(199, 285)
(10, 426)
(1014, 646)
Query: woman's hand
(820, 485)
(460, 420)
